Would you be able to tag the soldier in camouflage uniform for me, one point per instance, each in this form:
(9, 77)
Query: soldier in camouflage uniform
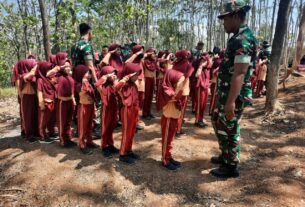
(82, 52)
(233, 87)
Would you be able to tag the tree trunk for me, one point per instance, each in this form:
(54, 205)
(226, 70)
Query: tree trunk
(56, 44)
(45, 28)
(299, 46)
(259, 17)
(253, 16)
(147, 21)
(300, 41)
(277, 47)
(22, 5)
(36, 28)
(272, 23)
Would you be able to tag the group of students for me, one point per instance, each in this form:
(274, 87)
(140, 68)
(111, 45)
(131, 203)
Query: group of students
(51, 92)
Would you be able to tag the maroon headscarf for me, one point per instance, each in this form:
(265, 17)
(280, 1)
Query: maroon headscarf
(138, 59)
(113, 46)
(80, 72)
(161, 53)
(65, 86)
(216, 63)
(23, 67)
(108, 70)
(162, 63)
(52, 59)
(167, 52)
(116, 60)
(182, 63)
(204, 78)
(136, 49)
(108, 90)
(150, 63)
(130, 89)
(31, 56)
(131, 68)
(61, 58)
(167, 92)
(44, 83)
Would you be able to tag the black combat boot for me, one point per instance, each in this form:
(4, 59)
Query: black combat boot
(226, 171)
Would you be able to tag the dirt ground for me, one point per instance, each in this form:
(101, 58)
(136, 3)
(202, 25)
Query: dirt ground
(272, 168)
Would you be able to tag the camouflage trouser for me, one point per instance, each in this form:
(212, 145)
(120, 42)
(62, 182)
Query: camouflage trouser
(228, 133)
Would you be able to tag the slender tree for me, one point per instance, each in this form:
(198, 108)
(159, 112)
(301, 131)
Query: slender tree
(299, 46)
(277, 47)
(272, 22)
(45, 29)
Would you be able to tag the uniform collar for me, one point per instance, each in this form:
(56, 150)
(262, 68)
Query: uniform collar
(83, 39)
(242, 28)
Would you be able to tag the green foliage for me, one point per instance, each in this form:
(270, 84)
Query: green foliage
(169, 31)
(7, 92)
(162, 24)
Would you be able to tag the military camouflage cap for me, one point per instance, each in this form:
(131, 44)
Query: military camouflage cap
(233, 6)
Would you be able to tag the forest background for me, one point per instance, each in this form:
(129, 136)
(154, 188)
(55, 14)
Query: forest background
(44, 27)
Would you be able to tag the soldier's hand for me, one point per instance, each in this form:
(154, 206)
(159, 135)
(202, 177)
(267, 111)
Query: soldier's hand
(229, 111)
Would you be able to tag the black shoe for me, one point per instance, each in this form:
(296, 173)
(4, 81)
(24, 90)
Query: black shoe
(151, 116)
(75, 134)
(107, 153)
(46, 141)
(93, 146)
(147, 118)
(217, 160)
(170, 166)
(118, 124)
(175, 162)
(226, 171)
(127, 159)
(22, 134)
(32, 140)
(113, 149)
(133, 156)
(201, 124)
(54, 137)
(179, 134)
(138, 127)
(54, 134)
(96, 134)
(86, 151)
(70, 144)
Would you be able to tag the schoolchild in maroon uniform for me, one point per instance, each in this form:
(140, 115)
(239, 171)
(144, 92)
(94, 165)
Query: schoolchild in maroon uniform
(28, 97)
(128, 91)
(46, 99)
(109, 111)
(182, 64)
(170, 104)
